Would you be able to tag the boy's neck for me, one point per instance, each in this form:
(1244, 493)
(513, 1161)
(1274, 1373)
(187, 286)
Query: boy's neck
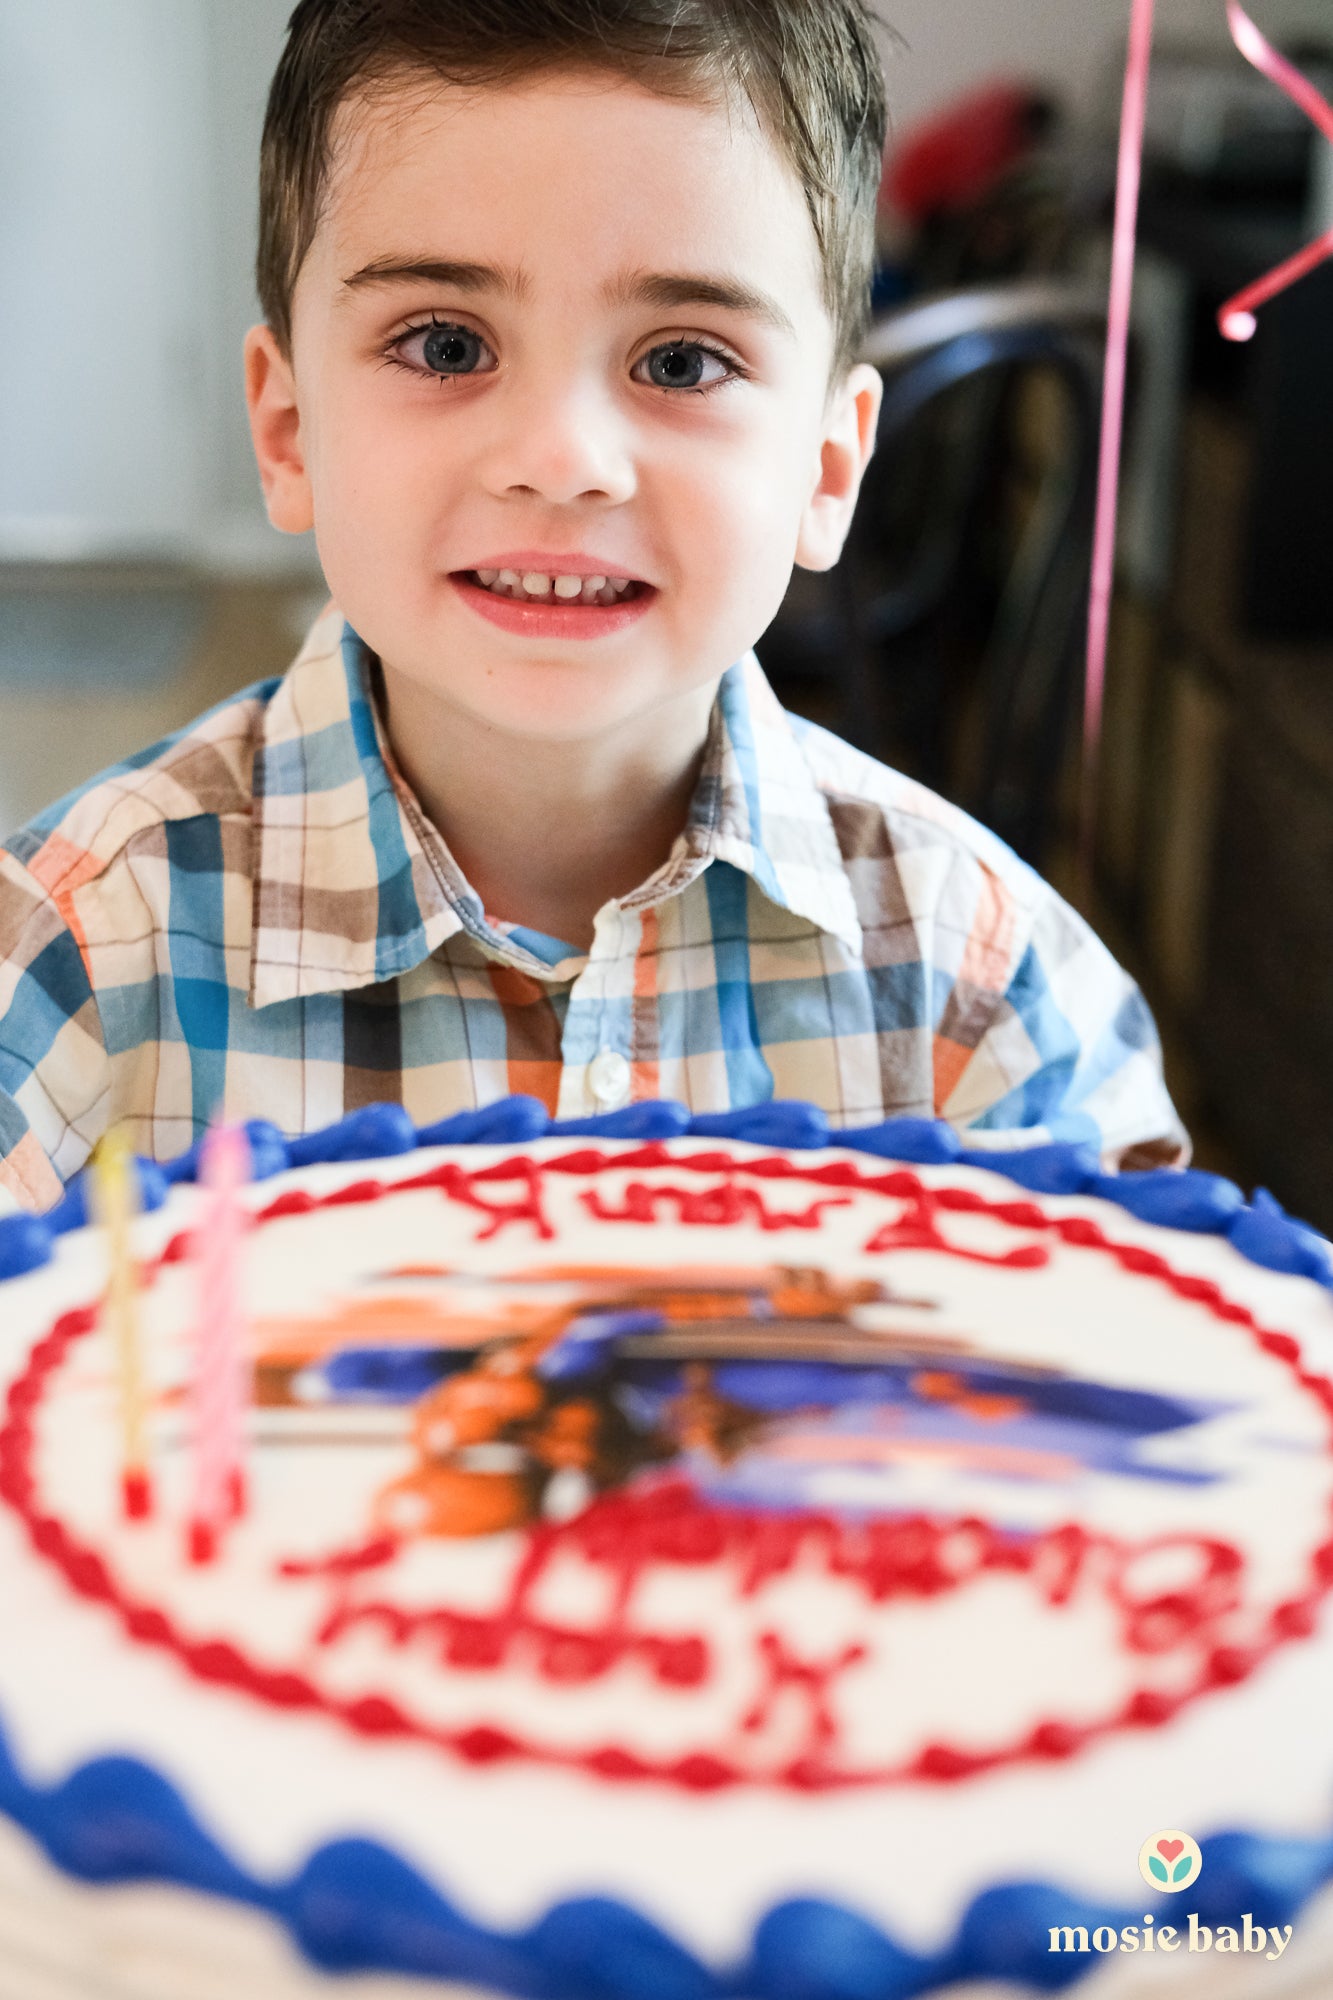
(548, 832)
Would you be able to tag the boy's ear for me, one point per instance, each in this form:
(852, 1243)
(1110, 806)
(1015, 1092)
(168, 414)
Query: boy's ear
(846, 448)
(275, 426)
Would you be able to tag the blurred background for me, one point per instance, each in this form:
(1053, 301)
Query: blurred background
(140, 581)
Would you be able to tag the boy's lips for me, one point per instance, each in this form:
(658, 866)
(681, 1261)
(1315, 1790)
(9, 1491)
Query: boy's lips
(551, 562)
(542, 596)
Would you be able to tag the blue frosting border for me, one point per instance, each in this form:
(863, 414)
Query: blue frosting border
(357, 1907)
(1206, 1204)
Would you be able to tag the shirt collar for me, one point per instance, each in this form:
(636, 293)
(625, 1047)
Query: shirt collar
(757, 806)
(352, 885)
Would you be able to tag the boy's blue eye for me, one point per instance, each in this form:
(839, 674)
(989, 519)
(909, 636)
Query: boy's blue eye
(452, 350)
(685, 364)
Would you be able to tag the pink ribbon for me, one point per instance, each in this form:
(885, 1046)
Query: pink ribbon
(1236, 318)
(1124, 238)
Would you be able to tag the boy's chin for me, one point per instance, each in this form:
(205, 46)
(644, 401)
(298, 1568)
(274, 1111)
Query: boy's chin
(545, 701)
(561, 715)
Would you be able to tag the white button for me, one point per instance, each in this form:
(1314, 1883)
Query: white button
(609, 1079)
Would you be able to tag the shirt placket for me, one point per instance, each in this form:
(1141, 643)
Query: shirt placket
(597, 1046)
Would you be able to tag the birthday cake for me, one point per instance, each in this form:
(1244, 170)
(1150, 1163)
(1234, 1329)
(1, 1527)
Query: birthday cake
(680, 1560)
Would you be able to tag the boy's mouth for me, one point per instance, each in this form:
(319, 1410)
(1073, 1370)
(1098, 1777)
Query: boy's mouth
(548, 604)
(544, 587)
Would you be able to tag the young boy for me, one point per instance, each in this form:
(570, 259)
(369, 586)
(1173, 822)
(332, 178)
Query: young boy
(562, 302)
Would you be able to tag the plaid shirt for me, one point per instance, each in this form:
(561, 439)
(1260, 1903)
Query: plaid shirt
(255, 915)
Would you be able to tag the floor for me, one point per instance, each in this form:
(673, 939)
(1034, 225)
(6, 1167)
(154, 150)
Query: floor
(61, 722)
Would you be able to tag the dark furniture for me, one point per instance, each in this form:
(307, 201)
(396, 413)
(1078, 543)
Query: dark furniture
(950, 637)
(1217, 836)
(1283, 383)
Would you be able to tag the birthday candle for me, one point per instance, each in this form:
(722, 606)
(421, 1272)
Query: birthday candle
(115, 1202)
(220, 1386)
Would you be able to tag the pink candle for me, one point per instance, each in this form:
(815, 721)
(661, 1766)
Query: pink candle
(220, 1388)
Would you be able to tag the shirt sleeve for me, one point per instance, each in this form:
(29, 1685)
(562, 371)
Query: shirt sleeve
(53, 1060)
(1071, 1054)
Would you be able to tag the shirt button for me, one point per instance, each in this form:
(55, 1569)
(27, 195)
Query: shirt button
(609, 1079)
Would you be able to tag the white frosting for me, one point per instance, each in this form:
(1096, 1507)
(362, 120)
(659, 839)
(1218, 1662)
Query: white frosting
(62, 1940)
(973, 1666)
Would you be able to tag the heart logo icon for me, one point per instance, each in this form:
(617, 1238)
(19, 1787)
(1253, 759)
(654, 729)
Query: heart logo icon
(1170, 1861)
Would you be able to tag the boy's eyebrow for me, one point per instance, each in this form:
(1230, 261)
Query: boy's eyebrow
(667, 289)
(662, 289)
(438, 271)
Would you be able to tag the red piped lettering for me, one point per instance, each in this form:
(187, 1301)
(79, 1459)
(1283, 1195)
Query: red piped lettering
(715, 1207)
(813, 1680)
(462, 1186)
(628, 1534)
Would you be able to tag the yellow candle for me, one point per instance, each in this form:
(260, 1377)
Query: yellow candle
(115, 1196)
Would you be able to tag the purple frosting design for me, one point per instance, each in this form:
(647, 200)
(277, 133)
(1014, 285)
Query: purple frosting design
(356, 1907)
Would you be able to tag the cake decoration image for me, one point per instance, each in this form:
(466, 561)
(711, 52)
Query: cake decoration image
(529, 1396)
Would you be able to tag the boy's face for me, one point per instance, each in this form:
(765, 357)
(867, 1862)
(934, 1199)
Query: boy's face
(566, 329)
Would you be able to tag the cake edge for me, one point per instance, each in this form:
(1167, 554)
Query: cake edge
(354, 1906)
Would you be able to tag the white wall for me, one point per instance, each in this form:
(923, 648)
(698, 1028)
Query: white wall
(128, 155)
(244, 41)
(104, 355)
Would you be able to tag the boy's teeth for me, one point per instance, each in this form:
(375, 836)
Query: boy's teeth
(567, 589)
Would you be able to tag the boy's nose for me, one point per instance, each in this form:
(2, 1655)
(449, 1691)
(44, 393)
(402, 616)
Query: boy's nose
(561, 447)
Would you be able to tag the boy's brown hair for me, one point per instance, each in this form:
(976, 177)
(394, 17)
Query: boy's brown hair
(809, 68)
